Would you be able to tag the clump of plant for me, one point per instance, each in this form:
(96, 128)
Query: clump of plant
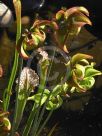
(5, 124)
(65, 25)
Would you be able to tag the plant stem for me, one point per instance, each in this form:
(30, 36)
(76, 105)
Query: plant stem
(45, 122)
(39, 117)
(18, 106)
(52, 130)
(30, 121)
(38, 121)
(36, 124)
(18, 115)
(8, 91)
(54, 52)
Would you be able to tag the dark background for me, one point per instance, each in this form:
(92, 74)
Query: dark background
(94, 7)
